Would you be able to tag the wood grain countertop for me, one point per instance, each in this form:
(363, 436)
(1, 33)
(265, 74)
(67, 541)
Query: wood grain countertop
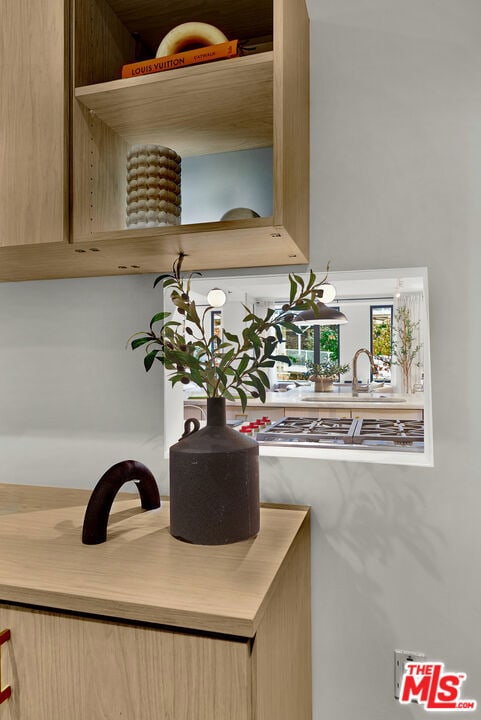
(141, 573)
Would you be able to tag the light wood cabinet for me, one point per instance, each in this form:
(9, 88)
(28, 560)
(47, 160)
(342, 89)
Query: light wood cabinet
(146, 627)
(246, 102)
(68, 666)
(33, 122)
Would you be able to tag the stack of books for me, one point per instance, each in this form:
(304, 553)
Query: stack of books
(190, 57)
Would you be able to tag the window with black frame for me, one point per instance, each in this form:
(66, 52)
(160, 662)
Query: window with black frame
(316, 344)
(215, 326)
(381, 340)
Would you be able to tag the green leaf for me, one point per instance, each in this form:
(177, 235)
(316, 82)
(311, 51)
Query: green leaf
(139, 342)
(293, 328)
(149, 359)
(282, 358)
(222, 376)
(263, 377)
(196, 377)
(160, 278)
(299, 281)
(231, 337)
(293, 291)
(270, 344)
(159, 316)
(244, 362)
(172, 323)
(226, 359)
(258, 386)
(312, 280)
(242, 397)
(278, 329)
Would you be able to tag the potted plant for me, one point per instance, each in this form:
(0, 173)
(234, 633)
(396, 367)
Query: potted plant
(324, 374)
(214, 482)
(405, 347)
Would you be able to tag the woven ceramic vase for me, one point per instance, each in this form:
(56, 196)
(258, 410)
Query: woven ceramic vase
(153, 186)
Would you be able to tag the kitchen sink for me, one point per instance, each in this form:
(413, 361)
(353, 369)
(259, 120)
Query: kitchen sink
(362, 398)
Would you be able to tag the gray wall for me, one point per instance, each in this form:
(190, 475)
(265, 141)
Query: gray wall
(396, 181)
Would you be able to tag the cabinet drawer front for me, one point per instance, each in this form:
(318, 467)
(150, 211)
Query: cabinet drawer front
(317, 412)
(386, 414)
(67, 666)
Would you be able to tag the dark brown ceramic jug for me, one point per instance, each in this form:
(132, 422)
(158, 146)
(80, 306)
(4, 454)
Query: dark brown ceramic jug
(214, 482)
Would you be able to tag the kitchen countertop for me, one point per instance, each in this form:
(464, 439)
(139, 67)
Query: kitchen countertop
(294, 398)
(141, 573)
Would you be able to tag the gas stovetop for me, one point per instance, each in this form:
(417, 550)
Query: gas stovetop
(358, 433)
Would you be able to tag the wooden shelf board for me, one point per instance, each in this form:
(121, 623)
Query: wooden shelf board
(215, 107)
(247, 243)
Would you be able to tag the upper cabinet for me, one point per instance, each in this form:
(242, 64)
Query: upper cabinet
(33, 123)
(253, 101)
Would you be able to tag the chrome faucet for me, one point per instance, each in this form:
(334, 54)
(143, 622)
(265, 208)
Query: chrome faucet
(356, 387)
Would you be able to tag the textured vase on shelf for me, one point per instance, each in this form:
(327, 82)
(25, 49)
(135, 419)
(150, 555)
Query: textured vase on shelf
(214, 482)
(153, 186)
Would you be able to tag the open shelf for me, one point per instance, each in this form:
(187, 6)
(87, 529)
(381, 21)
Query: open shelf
(215, 107)
(152, 19)
(239, 104)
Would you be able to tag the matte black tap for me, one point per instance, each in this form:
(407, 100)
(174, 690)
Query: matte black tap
(96, 517)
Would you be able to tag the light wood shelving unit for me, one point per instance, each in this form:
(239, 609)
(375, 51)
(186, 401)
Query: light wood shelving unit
(90, 117)
(247, 102)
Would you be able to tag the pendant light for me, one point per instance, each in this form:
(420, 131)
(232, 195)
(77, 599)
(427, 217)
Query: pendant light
(324, 315)
(216, 297)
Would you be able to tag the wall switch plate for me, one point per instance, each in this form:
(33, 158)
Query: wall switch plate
(401, 657)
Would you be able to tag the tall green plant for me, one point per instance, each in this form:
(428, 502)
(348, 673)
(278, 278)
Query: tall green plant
(405, 348)
(221, 367)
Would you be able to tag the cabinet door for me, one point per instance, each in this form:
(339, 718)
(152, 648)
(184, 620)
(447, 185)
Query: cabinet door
(64, 667)
(33, 144)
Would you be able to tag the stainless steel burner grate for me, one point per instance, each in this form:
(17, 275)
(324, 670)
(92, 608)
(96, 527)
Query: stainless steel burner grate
(398, 431)
(339, 431)
(310, 430)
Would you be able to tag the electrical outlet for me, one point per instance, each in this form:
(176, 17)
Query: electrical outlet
(401, 657)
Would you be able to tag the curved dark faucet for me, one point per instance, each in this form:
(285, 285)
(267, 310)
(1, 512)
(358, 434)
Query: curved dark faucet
(96, 517)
